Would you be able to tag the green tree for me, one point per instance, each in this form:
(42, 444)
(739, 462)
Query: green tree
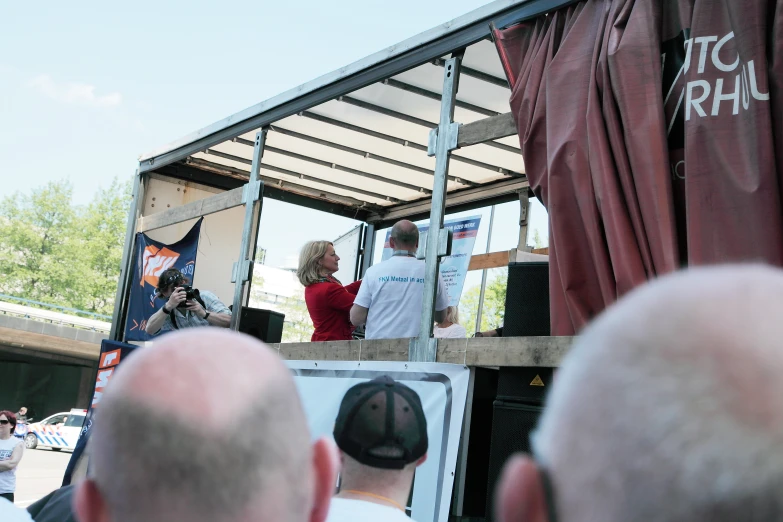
(298, 327)
(537, 242)
(58, 253)
(494, 302)
(36, 244)
(102, 236)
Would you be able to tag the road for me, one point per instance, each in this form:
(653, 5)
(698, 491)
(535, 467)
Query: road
(40, 472)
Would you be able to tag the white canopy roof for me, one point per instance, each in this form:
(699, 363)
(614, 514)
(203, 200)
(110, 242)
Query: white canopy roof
(358, 137)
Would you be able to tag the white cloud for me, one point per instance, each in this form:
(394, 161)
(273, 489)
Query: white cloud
(76, 93)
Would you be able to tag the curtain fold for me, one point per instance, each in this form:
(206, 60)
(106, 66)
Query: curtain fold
(649, 130)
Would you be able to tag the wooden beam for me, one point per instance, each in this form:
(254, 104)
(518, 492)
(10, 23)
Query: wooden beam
(505, 351)
(498, 259)
(486, 261)
(488, 129)
(35, 343)
(481, 351)
(196, 209)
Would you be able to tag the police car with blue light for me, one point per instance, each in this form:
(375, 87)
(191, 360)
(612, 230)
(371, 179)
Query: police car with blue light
(59, 431)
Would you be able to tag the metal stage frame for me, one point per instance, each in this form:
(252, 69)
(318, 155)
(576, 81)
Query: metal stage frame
(376, 140)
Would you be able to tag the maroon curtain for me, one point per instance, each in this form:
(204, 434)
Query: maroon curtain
(649, 130)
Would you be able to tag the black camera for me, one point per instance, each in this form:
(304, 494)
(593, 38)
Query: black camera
(190, 294)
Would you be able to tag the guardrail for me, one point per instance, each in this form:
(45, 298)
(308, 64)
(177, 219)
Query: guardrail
(51, 316)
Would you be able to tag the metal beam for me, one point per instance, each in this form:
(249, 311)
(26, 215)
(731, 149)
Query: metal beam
(129, 249)
(524, 205)
(467, 71)
(330, 165)
(368, 251)
(404, 143)
(288, 190)
(424, 347)
(412, 119)
(391, 82)
(506, 189)
(254, 198)
(358, 152)
(307, 177)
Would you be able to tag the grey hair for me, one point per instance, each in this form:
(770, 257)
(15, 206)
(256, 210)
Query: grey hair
(667, 411)
(154, 467)
(405, 234)
(309, 270)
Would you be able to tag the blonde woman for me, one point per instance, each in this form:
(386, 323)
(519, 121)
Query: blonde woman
(328, 301)
(450, 327)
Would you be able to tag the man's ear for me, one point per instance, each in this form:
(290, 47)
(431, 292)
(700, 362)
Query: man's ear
(520, 493)
(422, 460)
(326, 463)
(88, 504)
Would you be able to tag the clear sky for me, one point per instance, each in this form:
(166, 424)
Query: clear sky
(87, 87)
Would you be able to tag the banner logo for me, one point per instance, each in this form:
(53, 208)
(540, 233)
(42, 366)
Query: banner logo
(156, 261)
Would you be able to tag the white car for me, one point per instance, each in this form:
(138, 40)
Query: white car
(58, 431)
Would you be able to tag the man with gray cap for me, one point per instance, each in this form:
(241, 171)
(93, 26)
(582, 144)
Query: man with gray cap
(668, 408)
(382, 435)
(392, 293)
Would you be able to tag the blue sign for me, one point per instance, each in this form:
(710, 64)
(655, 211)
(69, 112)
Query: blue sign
(152, 258)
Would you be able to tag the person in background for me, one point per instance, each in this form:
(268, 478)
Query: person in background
(391, 298)
(180, 312)
(668, 408)
(328, 301)
(450, 328)
(21, 415)
(497, 332)
(11, 450)
(382, 435)
(54, 507)
(207, 426)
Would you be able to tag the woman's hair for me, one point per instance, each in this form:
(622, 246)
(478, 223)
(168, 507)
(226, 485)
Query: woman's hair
(309, 269)
(452, 314)
(11, 417)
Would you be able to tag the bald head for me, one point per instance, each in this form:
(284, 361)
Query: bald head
(669, 407)
(204, 425)
(404, 235)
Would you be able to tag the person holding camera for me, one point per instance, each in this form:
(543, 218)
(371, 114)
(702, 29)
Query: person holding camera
(186, 307)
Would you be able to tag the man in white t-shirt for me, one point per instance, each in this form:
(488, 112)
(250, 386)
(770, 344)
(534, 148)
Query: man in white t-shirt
(392, 292)
(382, 435)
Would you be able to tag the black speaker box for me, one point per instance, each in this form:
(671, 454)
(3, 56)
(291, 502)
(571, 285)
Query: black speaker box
(527, 300)
(528, 385)
(266, 325)
(511, 426)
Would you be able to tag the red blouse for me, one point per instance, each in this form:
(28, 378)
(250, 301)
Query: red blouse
(329, 303)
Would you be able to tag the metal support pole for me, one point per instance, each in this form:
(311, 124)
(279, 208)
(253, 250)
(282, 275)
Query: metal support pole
(524, 204)
(252, 198)
(444, 139)
(128, 251)
(484, 272)
(368, 250)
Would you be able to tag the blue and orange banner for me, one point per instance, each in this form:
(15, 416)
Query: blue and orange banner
(151, 259)
(112, 354)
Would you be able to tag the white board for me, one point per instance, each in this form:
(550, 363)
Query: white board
(442, 389)
(347, 247)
